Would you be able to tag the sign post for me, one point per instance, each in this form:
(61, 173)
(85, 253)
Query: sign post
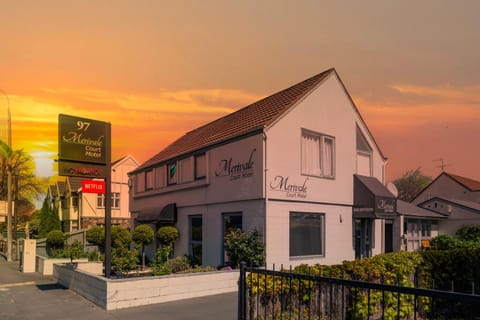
(85, 151)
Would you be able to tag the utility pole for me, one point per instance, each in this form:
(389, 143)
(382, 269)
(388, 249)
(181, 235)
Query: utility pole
(9, 182)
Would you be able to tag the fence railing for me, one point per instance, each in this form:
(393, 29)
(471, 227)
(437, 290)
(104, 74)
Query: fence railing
(269, 294)
(15, 249)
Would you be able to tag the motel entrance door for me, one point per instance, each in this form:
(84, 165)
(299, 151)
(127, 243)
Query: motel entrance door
(363, 238)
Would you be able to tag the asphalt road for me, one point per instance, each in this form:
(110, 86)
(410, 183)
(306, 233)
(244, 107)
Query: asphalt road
(31, 296)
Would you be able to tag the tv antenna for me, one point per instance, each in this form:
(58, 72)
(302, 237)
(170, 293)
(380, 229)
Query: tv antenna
(442, 164)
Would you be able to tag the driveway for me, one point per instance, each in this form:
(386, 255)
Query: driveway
(32, 296)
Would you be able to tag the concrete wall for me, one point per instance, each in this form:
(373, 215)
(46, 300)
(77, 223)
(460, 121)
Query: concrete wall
(112, 294)
(44, 265)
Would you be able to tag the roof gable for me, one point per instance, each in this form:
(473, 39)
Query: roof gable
(468, 205)
(253, 117)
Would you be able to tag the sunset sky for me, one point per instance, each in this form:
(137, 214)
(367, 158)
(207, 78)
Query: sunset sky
(157, 69)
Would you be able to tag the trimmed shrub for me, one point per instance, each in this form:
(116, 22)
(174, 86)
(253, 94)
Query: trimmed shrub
(55, 239)
(121, 237)
(143, 235)
(96, 235)
(167, 235)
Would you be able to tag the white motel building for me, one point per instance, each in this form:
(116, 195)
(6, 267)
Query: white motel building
(300, 166)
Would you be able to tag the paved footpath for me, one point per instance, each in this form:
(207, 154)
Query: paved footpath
(31, 296)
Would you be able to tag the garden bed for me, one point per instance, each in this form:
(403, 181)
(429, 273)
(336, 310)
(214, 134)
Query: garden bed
(112, 294)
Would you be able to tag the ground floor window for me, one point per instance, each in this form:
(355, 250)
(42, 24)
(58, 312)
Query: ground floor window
(417, 231)
(196, 239)
(307, 234)
(231, 220)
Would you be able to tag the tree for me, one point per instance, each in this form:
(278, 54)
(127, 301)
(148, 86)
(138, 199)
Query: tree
(469, 233)
(411, 184)
(167, 236)
(49, 220)
(143, 235)
(26, 187)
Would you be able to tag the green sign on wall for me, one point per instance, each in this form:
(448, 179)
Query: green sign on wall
(81, 140)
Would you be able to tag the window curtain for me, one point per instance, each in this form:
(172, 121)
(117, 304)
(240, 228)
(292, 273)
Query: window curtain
(311, 154)
(328, 157)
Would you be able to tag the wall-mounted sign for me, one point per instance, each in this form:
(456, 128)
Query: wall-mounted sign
(236, 169)
(281, 183)
(81, 139)
(385, 205)
(93, 186)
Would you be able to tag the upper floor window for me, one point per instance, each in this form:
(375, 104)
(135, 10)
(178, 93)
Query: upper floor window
(140, 182)
(200, 166)
(160, 177)
(172, 173)
(149, 179)
(186, 170)
(115, 200)
(364, 154)
(318, 154)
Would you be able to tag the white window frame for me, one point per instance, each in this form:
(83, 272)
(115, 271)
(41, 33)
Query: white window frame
(313, 162)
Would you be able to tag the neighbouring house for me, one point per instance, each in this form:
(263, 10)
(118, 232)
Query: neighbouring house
(416, 226)
(455, 198)
(300, 166)
(79, 210)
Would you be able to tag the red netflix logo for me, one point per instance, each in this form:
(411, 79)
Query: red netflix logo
(93, 186)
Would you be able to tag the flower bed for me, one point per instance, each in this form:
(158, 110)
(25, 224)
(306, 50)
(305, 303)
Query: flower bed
(112, 294)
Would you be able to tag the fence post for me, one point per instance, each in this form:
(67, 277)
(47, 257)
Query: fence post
(242, 291)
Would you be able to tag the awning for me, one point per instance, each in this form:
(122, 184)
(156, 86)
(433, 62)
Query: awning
(371, 199)
(167, 214)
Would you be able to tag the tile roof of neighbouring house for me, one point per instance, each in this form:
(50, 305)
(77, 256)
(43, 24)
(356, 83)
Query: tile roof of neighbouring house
(410, 210)
(470, 184)
(53, 190)
(75, 183)
(61, 187)
(246, 120)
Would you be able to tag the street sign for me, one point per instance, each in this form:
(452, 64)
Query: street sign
(81, 139)
(93, 186)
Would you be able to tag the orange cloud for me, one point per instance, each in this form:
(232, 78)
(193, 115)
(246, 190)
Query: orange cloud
(425, 124)
(142, 124)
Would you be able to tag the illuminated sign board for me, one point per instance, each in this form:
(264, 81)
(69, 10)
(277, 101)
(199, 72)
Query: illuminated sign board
(81, 139)
(76, 169)
(93, 186)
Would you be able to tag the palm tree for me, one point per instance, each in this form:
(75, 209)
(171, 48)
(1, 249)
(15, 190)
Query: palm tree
(17, 165)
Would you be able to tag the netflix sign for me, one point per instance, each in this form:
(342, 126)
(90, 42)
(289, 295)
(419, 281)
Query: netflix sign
(93, 186)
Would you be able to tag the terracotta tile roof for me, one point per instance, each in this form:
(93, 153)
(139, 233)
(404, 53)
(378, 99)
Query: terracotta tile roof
(470, 184)
(246, 120)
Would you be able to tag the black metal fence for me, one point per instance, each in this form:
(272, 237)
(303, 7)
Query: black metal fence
(269, 294)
